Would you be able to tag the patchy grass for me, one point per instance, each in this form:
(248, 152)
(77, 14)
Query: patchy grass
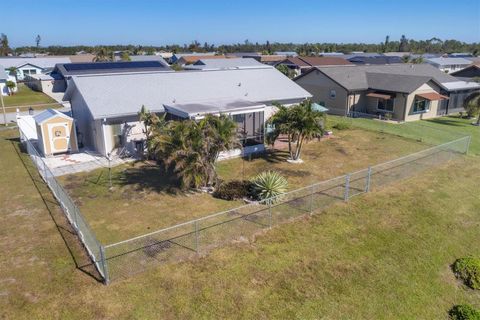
(432, 131)
(385, 255)
(26, 97)
(145, 199)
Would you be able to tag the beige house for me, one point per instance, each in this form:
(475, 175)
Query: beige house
(405, 92)
(55, 132)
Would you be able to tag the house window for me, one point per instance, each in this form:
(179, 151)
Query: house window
(421, 106)
(385, 104)
(333, 94)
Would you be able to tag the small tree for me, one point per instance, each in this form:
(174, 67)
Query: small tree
(472, 105)
(11, 86)
(125, 56)
(285, 70)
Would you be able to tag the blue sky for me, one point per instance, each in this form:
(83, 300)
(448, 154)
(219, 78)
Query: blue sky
(149, 22)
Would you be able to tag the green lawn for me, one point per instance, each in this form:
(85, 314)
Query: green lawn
(145, 198)
(433, 131)
(384, 255)
(26, 97)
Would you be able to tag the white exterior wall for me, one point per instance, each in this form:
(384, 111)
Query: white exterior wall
(21, 70)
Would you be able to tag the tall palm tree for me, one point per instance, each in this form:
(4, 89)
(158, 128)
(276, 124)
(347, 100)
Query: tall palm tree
(472, 104)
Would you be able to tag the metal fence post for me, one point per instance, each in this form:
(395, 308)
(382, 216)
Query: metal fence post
(196, 236)
(104, 265)
(369, 175)
(468, 144)
(347, 187)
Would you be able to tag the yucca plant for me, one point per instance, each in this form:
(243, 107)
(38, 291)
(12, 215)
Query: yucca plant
(269, 185)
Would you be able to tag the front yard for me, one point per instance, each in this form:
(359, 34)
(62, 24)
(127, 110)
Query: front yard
(145, 199)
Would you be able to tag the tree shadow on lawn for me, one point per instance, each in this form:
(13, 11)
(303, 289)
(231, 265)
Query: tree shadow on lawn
(75, 248)
(449, 122)
(149, 177)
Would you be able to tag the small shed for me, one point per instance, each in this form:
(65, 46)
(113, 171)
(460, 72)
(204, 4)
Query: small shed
(55, 132)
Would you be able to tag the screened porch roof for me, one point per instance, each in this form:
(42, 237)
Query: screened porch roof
(200, 109)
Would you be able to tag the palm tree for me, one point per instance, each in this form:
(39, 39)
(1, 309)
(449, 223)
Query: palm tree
(472, 105)
(11, 86)
(191, 148)
(102, 55)
(13, 72)
(301, 122)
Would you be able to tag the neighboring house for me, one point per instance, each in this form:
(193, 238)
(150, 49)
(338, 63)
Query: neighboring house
(471, 72)
(63, 72)
(233, 63)
(186, 60)
(302, 64)
(448, 65)
(270, 59)
(176, 56)
(375, 60)
(40, 82)
(27, 66)
(149, 58)
(4, 78)
(242, 54)
(106, 107)
(286, 53)
(406, 91)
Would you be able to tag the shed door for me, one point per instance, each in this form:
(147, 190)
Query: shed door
(59, 137)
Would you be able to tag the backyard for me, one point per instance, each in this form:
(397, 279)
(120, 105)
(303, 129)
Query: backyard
(383, 255)
(145, 199)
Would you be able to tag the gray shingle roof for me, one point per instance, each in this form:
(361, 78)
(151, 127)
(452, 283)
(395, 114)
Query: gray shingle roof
(395, 82)
(449, 61)
(124, 94)
(355, 78)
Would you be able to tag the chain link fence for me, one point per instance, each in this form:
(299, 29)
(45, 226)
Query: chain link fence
(199, 236)
(71, 211)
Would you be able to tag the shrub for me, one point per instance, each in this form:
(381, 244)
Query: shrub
(468, 269)
(464, 312)
(233, 190)
(342, 125)
(269, 184)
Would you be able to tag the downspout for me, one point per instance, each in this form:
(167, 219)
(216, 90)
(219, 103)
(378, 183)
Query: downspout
(104, 121)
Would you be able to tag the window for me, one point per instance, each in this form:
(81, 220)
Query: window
(421, 106)
(385, 104)
(333, 94)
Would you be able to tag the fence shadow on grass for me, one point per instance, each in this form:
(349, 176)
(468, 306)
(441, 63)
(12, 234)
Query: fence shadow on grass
(68, 234)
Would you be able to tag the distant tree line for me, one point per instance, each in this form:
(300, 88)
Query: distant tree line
(433, 45)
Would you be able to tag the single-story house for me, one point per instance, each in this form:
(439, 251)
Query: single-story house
(233, 63)
(4, 77)
(186, 60)
(176, 56)
(63, 72)
(405, 91)
(27, 66)
(270, 59)
(302, 64)
(242, 54)
(149, 58)
(468, 73)
(286, 53)
(40, 82)
(376, 60)
(448, 65)
(106, 107)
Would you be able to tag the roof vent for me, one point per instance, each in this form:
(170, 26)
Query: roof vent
(174, 100)
(239, 84)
